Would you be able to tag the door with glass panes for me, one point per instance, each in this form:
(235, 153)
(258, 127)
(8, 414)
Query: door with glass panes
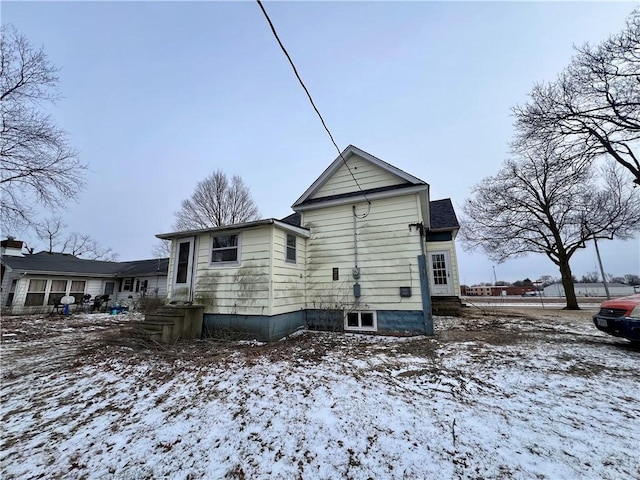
(440, 267)
(182, 270)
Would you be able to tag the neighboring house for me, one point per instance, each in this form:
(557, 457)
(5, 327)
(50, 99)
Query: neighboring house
(34, 283)
(350, 253)
(590, 290)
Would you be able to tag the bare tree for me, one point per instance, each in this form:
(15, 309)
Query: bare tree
(86, 246)
(590, 277)
(593, 107)
(216, 202)
(38, 166)
(161, 249)
(542, 203)
(52, 231)
(632, 279)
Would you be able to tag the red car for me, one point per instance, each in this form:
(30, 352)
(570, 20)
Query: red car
(620, 317)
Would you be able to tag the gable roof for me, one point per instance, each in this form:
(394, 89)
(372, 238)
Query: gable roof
(63, 263)
(442, 215)
(409, 180)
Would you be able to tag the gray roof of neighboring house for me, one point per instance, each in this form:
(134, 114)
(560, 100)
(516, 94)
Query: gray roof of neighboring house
(442, 214)
(66, 263)
(140, 268)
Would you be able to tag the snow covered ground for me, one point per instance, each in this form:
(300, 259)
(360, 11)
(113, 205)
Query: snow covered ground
(489, 397)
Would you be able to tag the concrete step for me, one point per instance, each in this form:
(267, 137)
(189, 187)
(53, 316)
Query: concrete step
(153, 318)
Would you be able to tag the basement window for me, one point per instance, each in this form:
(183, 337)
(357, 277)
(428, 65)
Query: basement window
(360, 321)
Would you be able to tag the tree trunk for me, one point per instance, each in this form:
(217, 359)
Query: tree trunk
(567, 283)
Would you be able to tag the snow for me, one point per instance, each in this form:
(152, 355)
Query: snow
(542, 396)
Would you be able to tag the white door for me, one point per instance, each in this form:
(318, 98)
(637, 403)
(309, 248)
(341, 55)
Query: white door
(441, 281)
(181, 290)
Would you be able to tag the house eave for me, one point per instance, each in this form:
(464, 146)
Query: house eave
(57, 273)
(236, 227)
(360, 197)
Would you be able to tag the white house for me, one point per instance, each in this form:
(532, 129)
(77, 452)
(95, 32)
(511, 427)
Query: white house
(34, 283)
(365, 250)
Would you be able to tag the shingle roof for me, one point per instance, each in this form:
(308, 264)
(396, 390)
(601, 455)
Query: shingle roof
(443, 216)
(293, 219)
(65, 263)
(140, 268)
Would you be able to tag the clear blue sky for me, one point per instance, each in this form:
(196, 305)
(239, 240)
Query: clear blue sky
(158, 95)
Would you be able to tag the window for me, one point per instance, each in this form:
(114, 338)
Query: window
(182, 266)
(291, 248)
(35, 293)
(224, 249)
(57, 291)
(12, 292)
(77, 290)
(360, 321)
(141, 285)
(109, 288)
(126, 285)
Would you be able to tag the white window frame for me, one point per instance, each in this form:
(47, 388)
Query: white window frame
(360, 328)
(295, 248)
(45, 292)
(234, 263)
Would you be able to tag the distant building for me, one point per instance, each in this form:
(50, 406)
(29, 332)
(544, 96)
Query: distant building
(496, 290)
(590, 290)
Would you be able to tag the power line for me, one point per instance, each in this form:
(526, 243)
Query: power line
(295, 71)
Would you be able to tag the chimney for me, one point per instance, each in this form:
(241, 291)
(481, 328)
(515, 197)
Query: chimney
(11, 247)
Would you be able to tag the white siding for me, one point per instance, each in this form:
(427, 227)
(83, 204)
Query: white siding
(241, 289)
(288, 279)
(387, 255)
(94, 287)
(368, 174)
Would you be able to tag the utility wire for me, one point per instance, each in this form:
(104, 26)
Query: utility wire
(295, 70)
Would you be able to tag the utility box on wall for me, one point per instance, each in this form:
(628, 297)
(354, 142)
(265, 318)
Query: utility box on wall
(405, 292)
